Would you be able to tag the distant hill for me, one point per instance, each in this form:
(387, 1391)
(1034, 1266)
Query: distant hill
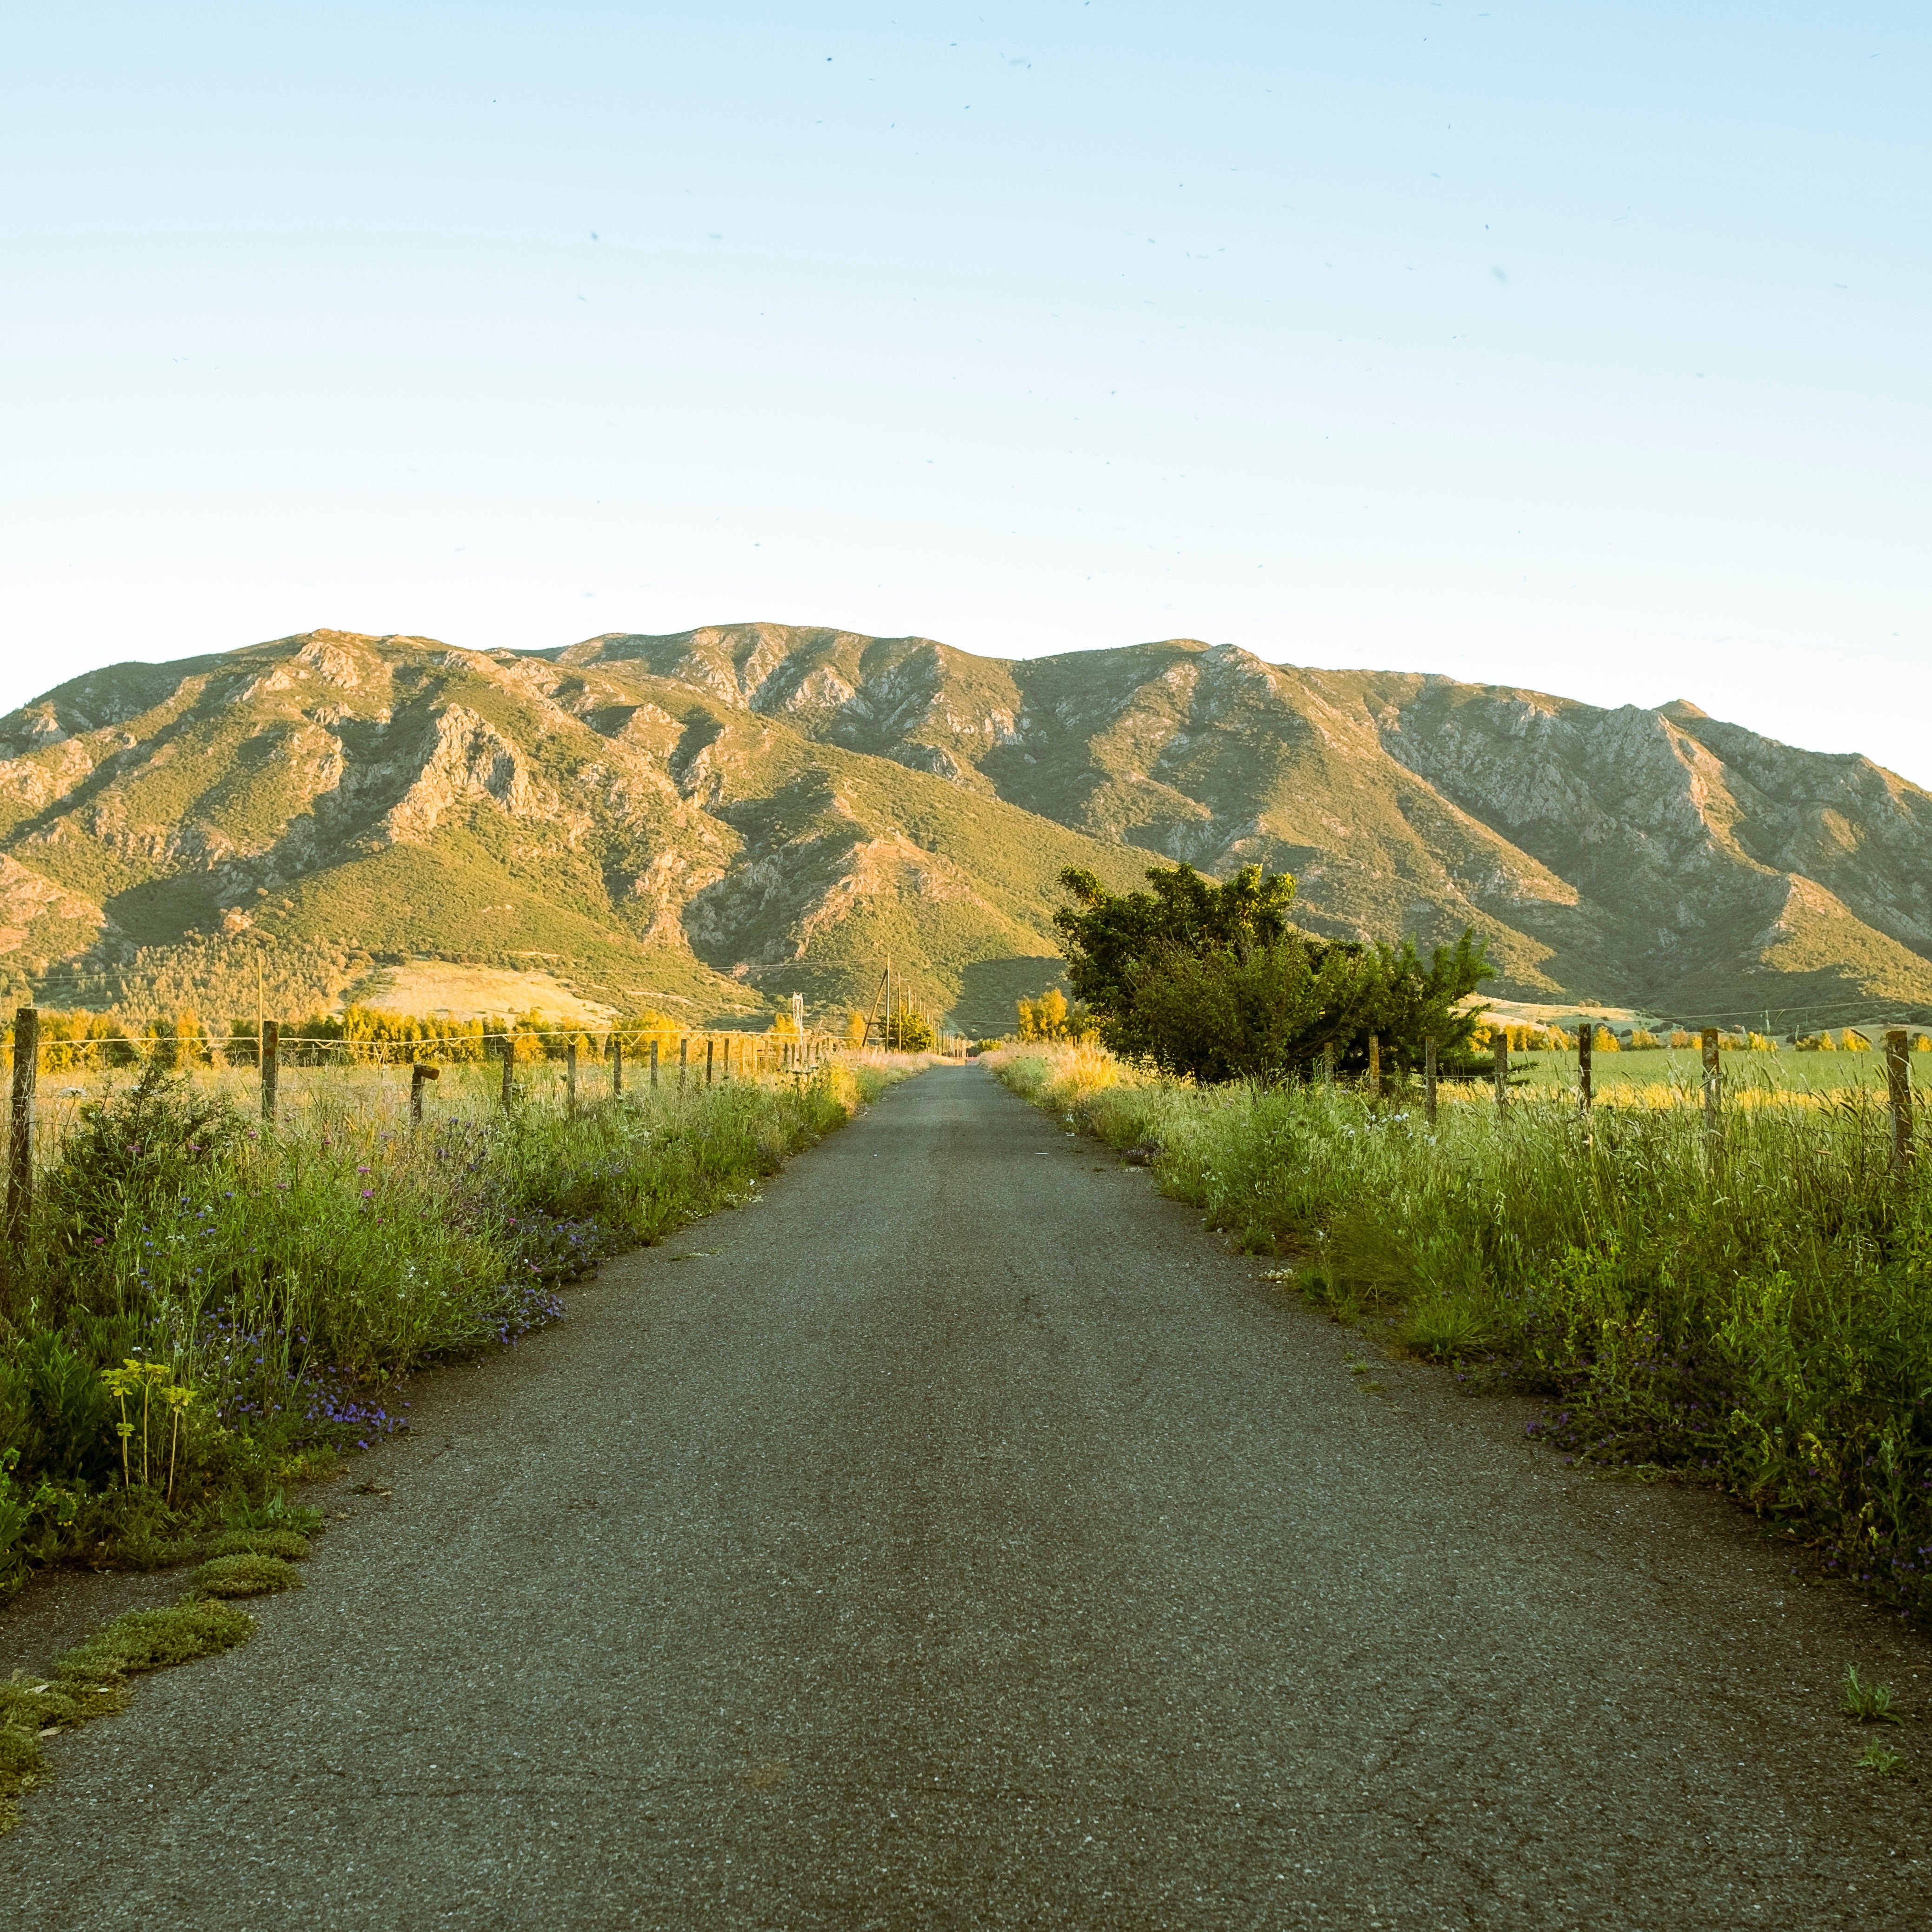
(708, 821)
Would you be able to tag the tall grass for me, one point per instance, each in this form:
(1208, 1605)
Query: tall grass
(289, 1277)
(1757, 1316)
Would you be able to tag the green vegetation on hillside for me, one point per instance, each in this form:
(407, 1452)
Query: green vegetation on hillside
(306, 811)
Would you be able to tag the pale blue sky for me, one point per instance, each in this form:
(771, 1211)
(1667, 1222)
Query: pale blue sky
(1575, 345)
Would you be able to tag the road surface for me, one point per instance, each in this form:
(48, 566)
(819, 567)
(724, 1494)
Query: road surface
(963, 1538)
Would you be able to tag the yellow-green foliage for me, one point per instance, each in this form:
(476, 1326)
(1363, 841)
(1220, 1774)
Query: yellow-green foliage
(288, 1544)
(1523, 1037)
(1045, 1018)
(247, 1573)
(145, 1640)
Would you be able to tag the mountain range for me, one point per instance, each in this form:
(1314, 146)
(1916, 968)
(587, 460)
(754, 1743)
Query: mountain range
(705, 822)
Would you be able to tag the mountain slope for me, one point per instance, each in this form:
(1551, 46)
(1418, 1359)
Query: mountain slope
(334, 800)
(1654, 858)
(706, 820)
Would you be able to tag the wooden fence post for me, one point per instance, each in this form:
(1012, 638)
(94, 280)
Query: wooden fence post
(616, 1066)
(1586, 1038)
(684, 1059)
(1328, 1064)
(710, 1049)
(1713, 1087)
(1898, 1081)
(20, 1141)
(570, 1076)
(509, 1071)
(1502, 1043)
(419, 1074)
(1428, 1080)
(653, 1066)
(1375, 1068)
(272, 1048)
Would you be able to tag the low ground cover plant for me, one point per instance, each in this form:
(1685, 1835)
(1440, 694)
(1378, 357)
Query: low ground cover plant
(1756, 1313)
(206, 1309)
(93, 1680)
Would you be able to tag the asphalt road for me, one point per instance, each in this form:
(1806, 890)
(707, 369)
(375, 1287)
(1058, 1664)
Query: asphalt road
(967, 1539)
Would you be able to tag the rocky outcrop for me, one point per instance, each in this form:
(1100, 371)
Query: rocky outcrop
(467, 760)
(36, 915)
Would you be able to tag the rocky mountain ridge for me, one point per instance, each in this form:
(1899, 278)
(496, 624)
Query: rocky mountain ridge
(704, 819)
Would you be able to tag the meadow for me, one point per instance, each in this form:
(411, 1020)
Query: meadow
(1661, 1076)
(1755, 1314)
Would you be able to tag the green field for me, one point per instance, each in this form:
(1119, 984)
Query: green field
(1682, 1068)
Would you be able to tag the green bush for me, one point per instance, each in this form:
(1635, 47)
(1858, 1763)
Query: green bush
(135, 1156)
(56, 1410)
(15, 1517)
(1212, 983)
